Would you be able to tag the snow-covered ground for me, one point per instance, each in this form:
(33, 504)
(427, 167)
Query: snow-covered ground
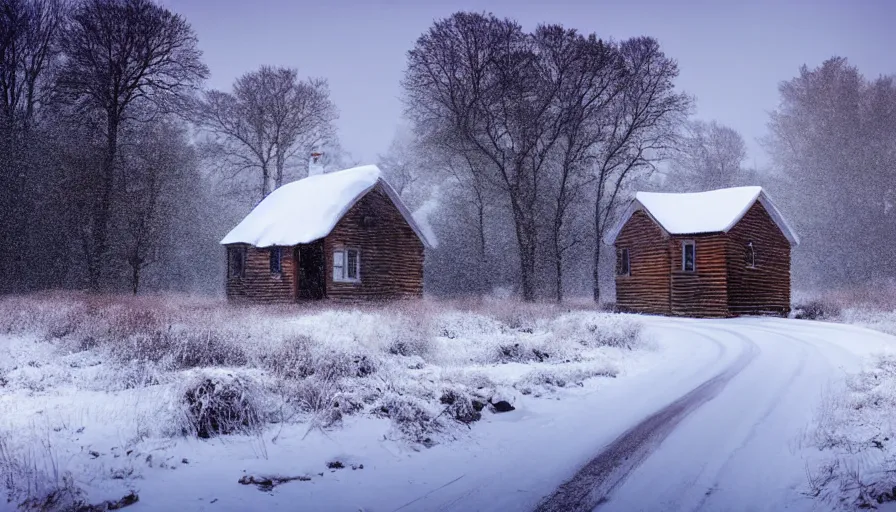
(611, 411)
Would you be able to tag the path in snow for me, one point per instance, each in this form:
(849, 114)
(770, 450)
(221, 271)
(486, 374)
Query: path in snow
(734, 442)
(714, 421)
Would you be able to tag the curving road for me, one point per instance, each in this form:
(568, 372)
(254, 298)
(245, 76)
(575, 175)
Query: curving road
(734, 441)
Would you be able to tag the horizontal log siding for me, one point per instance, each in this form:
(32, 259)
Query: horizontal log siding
(764, 289)
(258, 284)
(701, 293)
(646, 289)
(391, 254)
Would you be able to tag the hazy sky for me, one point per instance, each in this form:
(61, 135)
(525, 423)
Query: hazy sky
(732, 54)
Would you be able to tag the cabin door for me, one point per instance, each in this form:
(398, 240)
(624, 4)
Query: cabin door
(310, 259)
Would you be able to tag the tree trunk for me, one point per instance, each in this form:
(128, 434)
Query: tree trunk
(103, 207)
(559, 284)
(597, 254)
(135, 278)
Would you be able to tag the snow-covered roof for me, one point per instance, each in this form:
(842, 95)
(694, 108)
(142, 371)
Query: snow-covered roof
(714, 211)
(308, 209)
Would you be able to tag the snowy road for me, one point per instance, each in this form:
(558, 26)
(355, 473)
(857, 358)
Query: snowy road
(715, 420)
(734, 442)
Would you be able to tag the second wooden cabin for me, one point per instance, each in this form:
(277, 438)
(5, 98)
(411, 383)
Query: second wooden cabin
(707, 254)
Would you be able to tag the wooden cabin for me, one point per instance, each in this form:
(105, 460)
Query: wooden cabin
(719, 253)
(344, 235)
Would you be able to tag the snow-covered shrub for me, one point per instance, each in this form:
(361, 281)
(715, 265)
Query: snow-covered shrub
(599, 330)
(291, 358)
(562, 376)
(461, 405)
(221, 405)
(816, 309)
(414, 418)
(856, 431)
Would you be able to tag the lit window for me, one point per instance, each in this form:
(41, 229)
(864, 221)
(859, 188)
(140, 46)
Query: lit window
(688, 256)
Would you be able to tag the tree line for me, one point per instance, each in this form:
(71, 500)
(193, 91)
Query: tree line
(120, 171)
(104, 177)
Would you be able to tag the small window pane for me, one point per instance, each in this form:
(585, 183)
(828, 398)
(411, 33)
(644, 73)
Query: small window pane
(338, 266)
(688, 257)
(352, 265)
(751, 255)
(275, 260)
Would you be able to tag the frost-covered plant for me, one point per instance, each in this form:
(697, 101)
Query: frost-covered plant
(856, 429)
(221, 405)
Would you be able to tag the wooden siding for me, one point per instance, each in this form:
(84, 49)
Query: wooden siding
(701, 293)
(258, 284)
(646, 288)
(391, 254)
(764, 289)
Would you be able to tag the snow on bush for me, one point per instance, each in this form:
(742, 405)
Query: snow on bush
(856, 434)
(428, 366)
(222, 404)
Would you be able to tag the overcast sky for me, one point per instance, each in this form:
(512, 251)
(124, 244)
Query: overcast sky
(732, 54)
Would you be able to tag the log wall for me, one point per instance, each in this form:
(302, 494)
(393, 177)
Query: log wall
(701, 293)
(391, 254)
(646, 288)
(764, 289)
(258, 284)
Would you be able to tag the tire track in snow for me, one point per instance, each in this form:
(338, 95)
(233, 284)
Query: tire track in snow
(593, 483)
(786, 387)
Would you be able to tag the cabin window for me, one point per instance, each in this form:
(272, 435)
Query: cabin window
(236, 262)
(276, 256)
(751, 255)
(623, 265)
(688, 256)
(346, 265)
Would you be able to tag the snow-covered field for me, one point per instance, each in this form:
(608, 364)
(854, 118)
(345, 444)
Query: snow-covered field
(177, 399)
(193, 405)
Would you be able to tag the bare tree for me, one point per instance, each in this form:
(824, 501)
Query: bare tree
(642, 128)
(271, 117)
(158, 162)
(477, 83)
(832, 141)
(119, 53)
(711, 156)
(593, 71)
(28, 53)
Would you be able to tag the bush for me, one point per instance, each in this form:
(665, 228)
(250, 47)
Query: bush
(816, 310)
(599, 330)
(415, 419)
(221, 406)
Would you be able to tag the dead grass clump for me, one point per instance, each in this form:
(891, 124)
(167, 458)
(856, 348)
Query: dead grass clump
(221, 406)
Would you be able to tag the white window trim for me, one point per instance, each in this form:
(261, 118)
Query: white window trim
(684, 244)
(344, 278)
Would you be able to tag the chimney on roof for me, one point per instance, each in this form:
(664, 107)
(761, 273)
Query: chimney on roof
(315, 165)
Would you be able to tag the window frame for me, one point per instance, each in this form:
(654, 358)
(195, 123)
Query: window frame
(684, 262)
(234, 253)
(625, 262)
(279, 268)
(342, 275)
